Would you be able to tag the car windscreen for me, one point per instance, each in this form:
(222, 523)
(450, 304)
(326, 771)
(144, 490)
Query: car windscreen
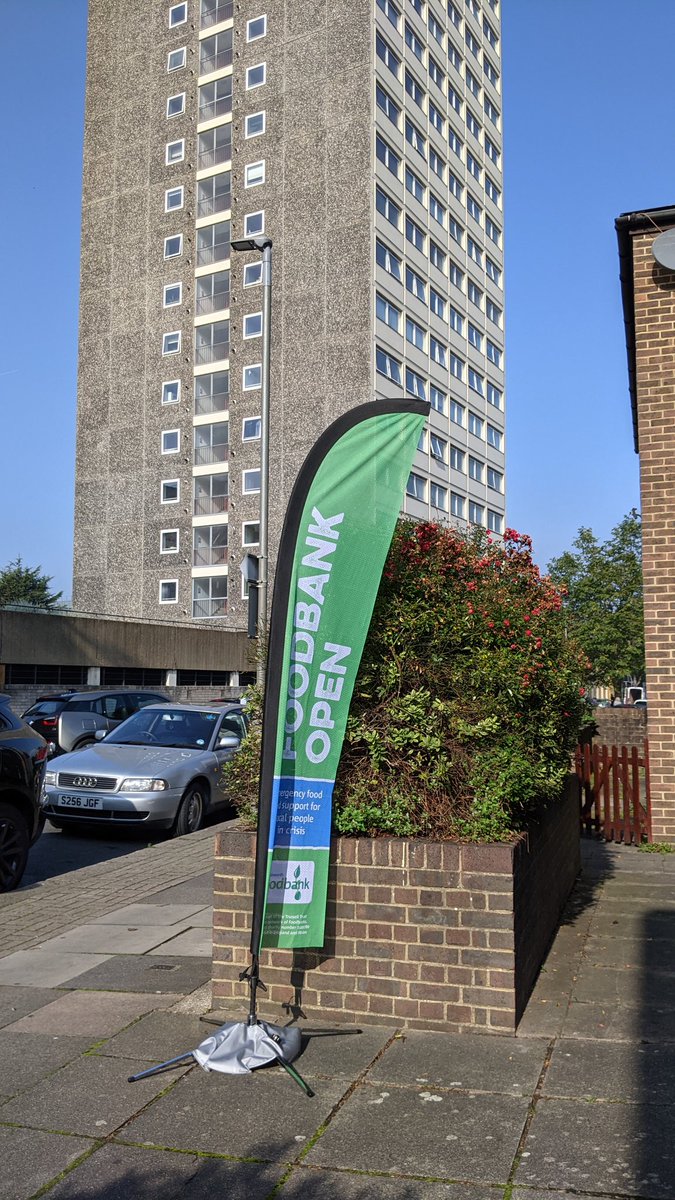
(45, 708)
(187, 729)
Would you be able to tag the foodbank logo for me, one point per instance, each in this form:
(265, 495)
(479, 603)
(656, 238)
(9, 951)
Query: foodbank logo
(291, 883)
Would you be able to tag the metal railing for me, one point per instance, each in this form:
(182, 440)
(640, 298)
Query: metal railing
(209, 205)
(209, 556)
(214, 11)
(215, 62)
(210, 454)
(209, 608)
(215, 156)
(215, 108)
(211, 404)
(213, 254)
(211, 354)
(211, 304)
(207, 506)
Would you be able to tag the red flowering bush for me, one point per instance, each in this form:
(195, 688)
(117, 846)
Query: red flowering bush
(470, 695)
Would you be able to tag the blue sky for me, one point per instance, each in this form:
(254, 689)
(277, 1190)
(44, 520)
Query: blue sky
(587, 120)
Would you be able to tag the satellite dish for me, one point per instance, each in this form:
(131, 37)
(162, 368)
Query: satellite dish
(663, 249)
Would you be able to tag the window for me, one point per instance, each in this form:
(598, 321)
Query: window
(473, 208)
(438, 399)
(175, 152)
(385, 52)
(472, 83)
(389, 261)
(436, 209)
(454, 56)
(457, 459)
(177, 15)
(418, 6)
(435, 72)
(175, 105)
(494, 521)
(171, 343)
(415, 138)
(172, 294)
(386, 155)
(390, 11)
(475, 513)
(215, 99)
(456, 505)
(414, 90)
(213, 194)
(492, 190)
(490, 33)
(170, 491)
(435, 29)
(252, 377)
(171, 391)
(415, 384)
(476, 382)
(475, 337)
(494, 437)
(492, 271)
(474, 293)
(212, 292)
(212, 393)
(456, 320)
(491, 111)
(214, 146)
(454, 14)
(438, 352)
(254, 124)
(168, 541)
(252, 274)
(455, 143)
(437, 256)
(436, 163)
(455, 230)
(414, 333)
(250, 481)
(491, 73)
(454, 99)
(215, 52)
(170, 441)
(255, 76)
(386, 206)
(455, 186)
(493, 312)
(494, 353)
(493, 231)
(168, 591)
(173, 246)
(387, 366)
(439, 497)
(209, 596)
(212, 342)
(414, 185)
(250, 429)
(210, 546)
(474, 251)
(254, 223)
(173, 199)
(387, 312)
(388, 106)
(256, 28)
(456, 366)
(254, 174)
(436, 303)
(495, 479)
(472, 124)
(494, 396)
(213, 243)
(473, 45)
(473, 8)
(438, 447)
(253, 325)
(175, 59)
(475, 425)
(435, 118)
(457, 412)
(491, 150)
(413, 42)
(415, 284)
(250, 533)
(456, 275)
(416, 486)
(211, 494)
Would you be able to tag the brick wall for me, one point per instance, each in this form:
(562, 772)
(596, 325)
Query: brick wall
(654, 290)
(620, 726)
(424, 934)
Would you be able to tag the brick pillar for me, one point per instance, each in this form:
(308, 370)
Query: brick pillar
(654, 288)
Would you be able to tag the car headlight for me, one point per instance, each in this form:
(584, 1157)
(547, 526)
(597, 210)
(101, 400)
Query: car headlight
(50, 778)
(143, 785)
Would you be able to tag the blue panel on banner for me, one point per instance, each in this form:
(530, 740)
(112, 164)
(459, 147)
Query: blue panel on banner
(303, 812)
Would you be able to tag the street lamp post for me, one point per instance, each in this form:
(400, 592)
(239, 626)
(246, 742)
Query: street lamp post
(264, 245)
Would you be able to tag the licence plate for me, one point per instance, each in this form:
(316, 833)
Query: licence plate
(79, 802)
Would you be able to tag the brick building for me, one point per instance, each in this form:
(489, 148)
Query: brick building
(648, 296)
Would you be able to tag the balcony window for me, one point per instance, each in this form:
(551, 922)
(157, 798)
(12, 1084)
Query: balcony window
(214, 147)
(212, 292)
(211, 495)
(209, 596)
(212, 342)
(215, 52)
(210, 546)
(212, 393)
(215, 99)
(213, 243)
(212, 12)
(211, 443)
(213, 194)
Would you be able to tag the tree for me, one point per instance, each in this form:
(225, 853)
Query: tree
(603, 600)
(26, 585)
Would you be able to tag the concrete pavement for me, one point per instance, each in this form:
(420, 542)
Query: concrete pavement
(106, 970)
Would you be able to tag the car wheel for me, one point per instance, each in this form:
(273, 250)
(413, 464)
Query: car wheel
(191, 811)
(85, 743)
(14, 846)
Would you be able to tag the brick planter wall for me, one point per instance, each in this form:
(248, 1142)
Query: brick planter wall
(430, 935)
(621, 726)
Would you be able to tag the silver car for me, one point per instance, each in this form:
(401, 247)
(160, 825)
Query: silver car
(161, 768)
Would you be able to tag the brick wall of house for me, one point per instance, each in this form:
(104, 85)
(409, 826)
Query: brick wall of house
(424, 934)
(620, 726)
(654, 289)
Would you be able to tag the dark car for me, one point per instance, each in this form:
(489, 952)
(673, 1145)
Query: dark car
(70, 720)
(23, 757)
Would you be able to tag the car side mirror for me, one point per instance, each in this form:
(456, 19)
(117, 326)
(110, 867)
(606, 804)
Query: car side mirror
(227, 741)
(100, 734)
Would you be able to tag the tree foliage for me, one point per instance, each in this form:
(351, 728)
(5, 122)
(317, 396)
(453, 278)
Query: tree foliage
(469, 697)
(26, 585)
(602, 583)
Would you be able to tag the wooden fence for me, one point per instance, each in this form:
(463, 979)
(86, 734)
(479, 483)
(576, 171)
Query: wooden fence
(615, 792)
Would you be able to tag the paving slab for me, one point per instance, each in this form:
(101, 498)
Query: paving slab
(16, 1001)
(656, 926)
(24, 1061)
(150, 914)
(343, 1055)
(31, 1158)
(197, 943)
(473, 1063)
(262, 1116)
(619, 1022)
(157, 1037)
(624, 986)
(611, 1071)
(146, 973)
(636, 954)
(423, 1131)
(90, 1097)
(620, 1149)
(92, 1014)
(528, 1194)
(129, 1172)
(198, 890)
(46, 967)
(312, 1184)
(114, 939)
